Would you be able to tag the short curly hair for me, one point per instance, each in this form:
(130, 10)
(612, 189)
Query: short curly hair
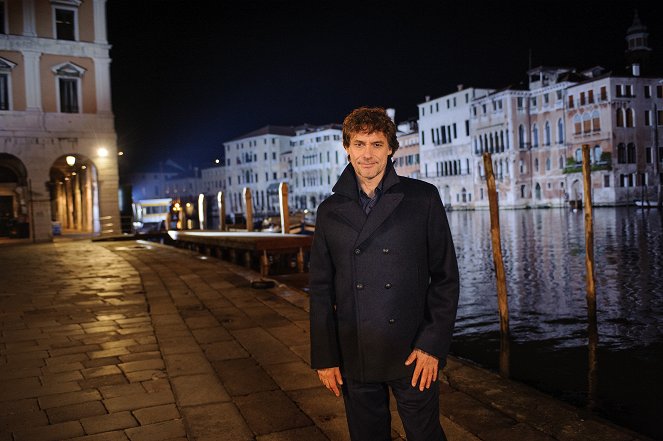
(369, 120)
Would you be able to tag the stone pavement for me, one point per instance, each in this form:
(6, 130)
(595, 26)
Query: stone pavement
(106, 341)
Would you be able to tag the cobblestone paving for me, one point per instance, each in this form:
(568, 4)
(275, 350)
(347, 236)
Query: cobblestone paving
(110, 341)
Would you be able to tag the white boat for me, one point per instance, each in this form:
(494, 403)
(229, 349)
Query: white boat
(644, 204)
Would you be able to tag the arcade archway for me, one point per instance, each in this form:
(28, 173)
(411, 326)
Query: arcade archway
(14, 198)
(74, 195)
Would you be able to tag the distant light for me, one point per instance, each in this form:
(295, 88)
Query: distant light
(120, 153)
(188, 204)
(73, 173)
(216, 161)
(102, 151)
(83, 167)
(66, 179)
(71, 160)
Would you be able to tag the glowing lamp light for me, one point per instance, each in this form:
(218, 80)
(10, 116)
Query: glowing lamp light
(102, 151)
(71, 160)
(120, 153)
(216, 161)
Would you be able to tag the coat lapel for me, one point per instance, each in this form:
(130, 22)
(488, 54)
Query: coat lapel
(384, 208)
(352, 213)
(351, 210)
(389, 201)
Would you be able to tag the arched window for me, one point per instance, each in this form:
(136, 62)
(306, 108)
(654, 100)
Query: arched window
(577, 124)
(536, 164)
(546, 133)
(535, 136)
(561, 162)
(630, 118)
(521, 136)
(596, 121)
(522, 191)
(578, 155)
(596, 152)
(537, 191)
(630, 153)
(501, 140)
(621, 153)
(492, 143)
(620, 117)
(586, 123)
(547, 163)
(560, 131)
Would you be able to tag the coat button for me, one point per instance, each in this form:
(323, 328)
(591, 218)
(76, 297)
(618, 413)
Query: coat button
(387, 286)
(385, 250)
(392, 321)
(357, 251)
(360, 286)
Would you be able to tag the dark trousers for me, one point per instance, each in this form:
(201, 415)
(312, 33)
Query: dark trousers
(369, 418)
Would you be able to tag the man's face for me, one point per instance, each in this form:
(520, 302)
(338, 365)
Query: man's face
(369, 154)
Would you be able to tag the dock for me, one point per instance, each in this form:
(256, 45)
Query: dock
(253, 247)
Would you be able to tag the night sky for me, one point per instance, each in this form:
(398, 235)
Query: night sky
(187, 76)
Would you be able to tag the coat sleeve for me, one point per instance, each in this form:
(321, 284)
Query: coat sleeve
(324, 336)
(434, 335)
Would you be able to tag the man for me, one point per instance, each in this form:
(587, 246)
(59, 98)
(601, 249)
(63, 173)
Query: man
(383, 287)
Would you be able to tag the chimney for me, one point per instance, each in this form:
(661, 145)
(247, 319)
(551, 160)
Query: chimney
(427, 98)
(459, 87)
(391, 113)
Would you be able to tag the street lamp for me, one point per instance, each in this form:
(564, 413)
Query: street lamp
(71, 160)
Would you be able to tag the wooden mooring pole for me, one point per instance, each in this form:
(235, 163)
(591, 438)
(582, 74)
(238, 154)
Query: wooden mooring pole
(283, 204)
(502, 299)
(248, 203)
(221, 203)
(592, 325)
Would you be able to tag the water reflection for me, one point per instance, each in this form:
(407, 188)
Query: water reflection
(544, 259)
(613, 368)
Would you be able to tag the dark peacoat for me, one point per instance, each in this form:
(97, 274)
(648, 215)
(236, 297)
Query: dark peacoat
(382, 284)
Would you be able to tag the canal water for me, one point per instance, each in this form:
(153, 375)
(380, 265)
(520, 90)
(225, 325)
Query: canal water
(544, 259)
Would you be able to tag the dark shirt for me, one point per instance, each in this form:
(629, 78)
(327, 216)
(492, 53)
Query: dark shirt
(366, 202)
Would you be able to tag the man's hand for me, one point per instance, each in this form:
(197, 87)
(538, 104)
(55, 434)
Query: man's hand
(426, 368)
(331, 378)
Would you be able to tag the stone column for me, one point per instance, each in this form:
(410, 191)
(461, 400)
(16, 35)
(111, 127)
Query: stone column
(29, 23)
(32, 80)
(70, 202)
(99, 7)
(78, 203)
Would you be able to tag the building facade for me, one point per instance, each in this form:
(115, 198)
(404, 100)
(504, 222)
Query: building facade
(407, 157)
(445, 145)
(58, 152)
(253, 161)
(318, 160)
(620, 118)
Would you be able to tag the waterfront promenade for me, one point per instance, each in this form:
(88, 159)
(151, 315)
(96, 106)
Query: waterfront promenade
(127, 340)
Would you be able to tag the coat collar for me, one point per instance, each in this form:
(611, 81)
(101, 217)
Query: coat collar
(347, 184)
(351, 209)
